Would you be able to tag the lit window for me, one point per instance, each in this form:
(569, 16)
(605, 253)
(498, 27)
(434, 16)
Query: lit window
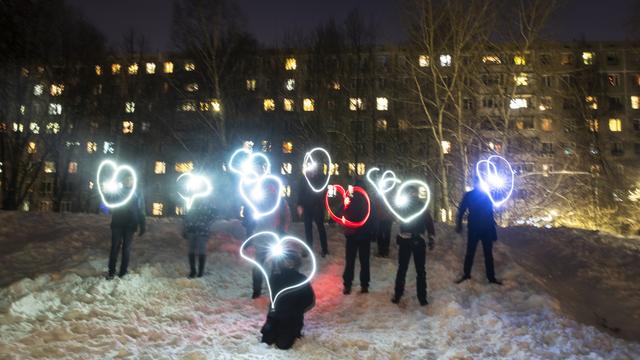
(115, 69)
(518, 103)
(286, 191)
(184, 167)
(635, 102)
(335, 85)
(615, 125)
(519, 60)
(587, 58)
(251, 84)
(287, 147)
(521, 79)
(17, 127)
(160, 167)
(356, 104)
(361, 169)
(189, 66)
(188, 105)
(38, 89)
(445, 60)
(592, 102)
(308, 104)
(31, 147)
(55, 109)
(491, 59)
(150, 67)
(269, 105)
(404, 124)
(266, 146)
(133, 69)
(49, 167)
(215, 105)
(180, 211)
(91, 147)
(290, 63)
(57, 89)
(288, 104)
(129, 107)
(594, 125)
(98, 70)
(546, 125)
(286, 168)
(334, 169)
(290, 84)
(23, 109)
(53, 128)
(546, 103)
(35, 128)
(191, 87)
(157, 209)
(381, 124)
(382, 104)
(247, 145)
(356, 168)
(108, 147)
(127, 127)
(446, 146)
(168, 67)
(423, 60)
(613, 80)
(73, 167)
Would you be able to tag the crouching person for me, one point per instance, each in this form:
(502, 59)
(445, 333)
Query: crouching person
(286, 319)
(197, 229)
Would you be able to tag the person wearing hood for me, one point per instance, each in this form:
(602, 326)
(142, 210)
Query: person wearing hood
(125, 221)
(285, 320)
(410, 242)
(196, 229)
(358, 243)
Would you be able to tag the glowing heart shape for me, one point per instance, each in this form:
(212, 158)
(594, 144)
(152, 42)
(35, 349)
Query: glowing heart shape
(496, 178)
(247, 167)
(197, 186)
(112, 185)
(276, 249)
(346, 201)
(258, 193)
(309, 164)
(388, 182)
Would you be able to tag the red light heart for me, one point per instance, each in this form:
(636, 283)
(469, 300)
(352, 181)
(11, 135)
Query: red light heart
(346, 201)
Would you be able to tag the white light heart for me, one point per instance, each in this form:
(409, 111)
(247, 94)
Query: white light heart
(248, 165)
(113, 185)
(496, 178)
(388, 182)
(277, 249)
(196, 186)
(258, 193)
(309, 164)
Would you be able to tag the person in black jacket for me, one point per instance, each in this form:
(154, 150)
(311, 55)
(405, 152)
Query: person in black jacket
(480, 227)
(410, 241)
(196, 228)
(125, 220)
(285, 321)
(311, 208)
(358, 243)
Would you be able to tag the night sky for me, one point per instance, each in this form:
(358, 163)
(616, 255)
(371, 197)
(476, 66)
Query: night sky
(268, 20)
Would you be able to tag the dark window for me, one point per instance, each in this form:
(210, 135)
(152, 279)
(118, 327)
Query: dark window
(617, 149)
(547, 148)
(615, 103)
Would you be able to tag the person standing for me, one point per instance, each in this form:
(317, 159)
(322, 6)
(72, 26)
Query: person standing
(481, 227)
(383, 228)
(125, 221)
(285, 321)
(278, 222)
(358, 244)
(411, 241)
(196, 228)
(311, 208)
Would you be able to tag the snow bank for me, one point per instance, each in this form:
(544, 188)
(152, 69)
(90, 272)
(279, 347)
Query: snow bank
(67, 309)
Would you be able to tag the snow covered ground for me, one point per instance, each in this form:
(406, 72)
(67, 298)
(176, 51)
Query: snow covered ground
(55, 303)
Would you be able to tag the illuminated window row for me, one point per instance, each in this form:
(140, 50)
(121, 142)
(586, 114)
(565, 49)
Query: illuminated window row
(308, 104)
(149, 68)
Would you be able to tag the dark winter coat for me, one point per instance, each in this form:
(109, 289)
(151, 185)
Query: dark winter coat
(357, 210)
(480, 219)
(420, 224)
(311, 202)
(198, 220)
(292, 304)
(130, 216)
